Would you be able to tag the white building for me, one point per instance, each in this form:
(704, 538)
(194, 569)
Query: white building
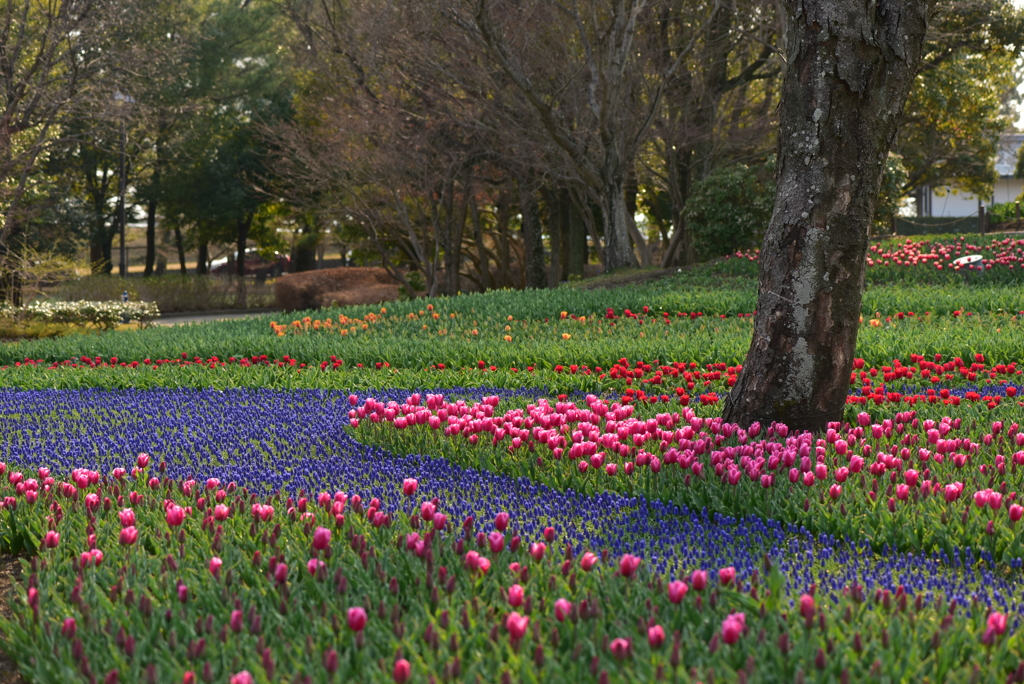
(950, 202)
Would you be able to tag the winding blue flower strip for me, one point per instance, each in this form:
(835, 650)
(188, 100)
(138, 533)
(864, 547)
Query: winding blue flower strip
(289, 440)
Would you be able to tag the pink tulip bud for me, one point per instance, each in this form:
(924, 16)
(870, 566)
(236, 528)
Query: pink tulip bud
(236, 621)
(314, 564)
(515, 595)
(409, 486)
(321, 538)
(501, 521)
(69, 628)
(656, 636)
(562, 609)
(281, 573)
(677, 591)
(835, 491)
(699, 580)
(215, 564)
(402, 671)
(182, 593)
(51, 539)
(356, 619)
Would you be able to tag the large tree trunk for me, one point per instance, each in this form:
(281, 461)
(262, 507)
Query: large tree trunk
(618, 252)
(533, 246)
(850, 68)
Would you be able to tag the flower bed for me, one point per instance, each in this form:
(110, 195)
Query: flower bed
(101, 314)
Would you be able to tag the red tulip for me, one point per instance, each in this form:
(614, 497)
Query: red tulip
(677, 591)
(356, 619)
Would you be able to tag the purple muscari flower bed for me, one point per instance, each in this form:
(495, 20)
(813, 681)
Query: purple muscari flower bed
(269, 440)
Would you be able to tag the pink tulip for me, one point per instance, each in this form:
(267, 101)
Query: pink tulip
(952, 491)
(996, 624)
(127, 517)
(699, 580)
(656, 636)
(69, 628)
(517, 625)
(995, 501)
(732, 628)
(620, 648)
(587, 561)
(215, 564)
(981, 498)
(515, 595)
(726, 576)
(51, 539)
(314, 564)
(427, 510)
(281, 573)
(628, 565)
(1016, 511)
(221, 512)
(563, 608)
(402, 671)
(236, 621)
(142, 461)
(440, 520)
(807, 606)
(175, 515)
(409, 486)
(496, 540)
(356, 619)
(182, 593)
(242, 677)
(189, 677)
(128, 535)
(902, 492)
(321, 538)
(501, 521)
(677, 591)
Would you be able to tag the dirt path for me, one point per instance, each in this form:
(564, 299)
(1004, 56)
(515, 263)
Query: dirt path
(10, 573)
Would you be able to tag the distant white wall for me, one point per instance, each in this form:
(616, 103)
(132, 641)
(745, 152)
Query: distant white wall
(956, 204)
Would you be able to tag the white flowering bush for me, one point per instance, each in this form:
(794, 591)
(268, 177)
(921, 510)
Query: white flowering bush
(103, 314)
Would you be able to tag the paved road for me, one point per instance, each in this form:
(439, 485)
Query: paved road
(184, 319)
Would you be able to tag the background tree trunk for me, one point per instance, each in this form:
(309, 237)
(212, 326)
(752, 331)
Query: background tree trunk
(150, 238)
(850, 68)
(533, 246)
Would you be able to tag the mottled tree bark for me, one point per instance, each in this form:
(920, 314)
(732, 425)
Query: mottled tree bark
(851, 64)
